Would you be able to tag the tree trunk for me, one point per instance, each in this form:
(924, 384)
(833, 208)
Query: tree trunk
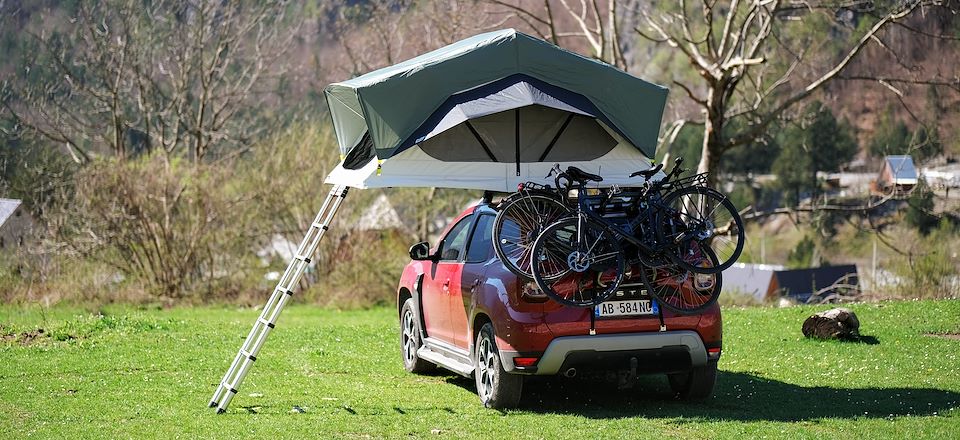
(712, 137)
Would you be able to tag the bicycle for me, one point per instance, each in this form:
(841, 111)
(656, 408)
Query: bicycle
(520, 219)
(579, 260)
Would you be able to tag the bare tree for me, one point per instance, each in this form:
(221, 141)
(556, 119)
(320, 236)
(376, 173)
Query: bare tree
(747, 69)
(123, 76)
(380, 33)
(571, 23)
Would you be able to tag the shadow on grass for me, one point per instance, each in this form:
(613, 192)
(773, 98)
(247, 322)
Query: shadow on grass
(737, 396)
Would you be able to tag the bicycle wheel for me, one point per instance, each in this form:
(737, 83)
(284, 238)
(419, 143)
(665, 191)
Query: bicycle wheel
(684, 291)
(517, 226)
(578, 266)
(704, 216)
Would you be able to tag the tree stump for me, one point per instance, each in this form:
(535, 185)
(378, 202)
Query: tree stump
(839, 323)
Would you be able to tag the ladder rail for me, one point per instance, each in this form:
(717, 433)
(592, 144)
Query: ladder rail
(278, 299)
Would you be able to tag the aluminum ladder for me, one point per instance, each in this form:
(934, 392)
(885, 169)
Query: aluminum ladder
(281, 294)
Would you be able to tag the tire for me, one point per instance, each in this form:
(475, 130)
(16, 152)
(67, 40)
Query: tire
(519, 223)
(573, 241)
(497, 388)
(684, 291)
(704, 216)
(695, 385)
(410, 341)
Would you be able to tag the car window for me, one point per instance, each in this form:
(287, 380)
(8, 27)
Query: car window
(481, 242)
(456, 240)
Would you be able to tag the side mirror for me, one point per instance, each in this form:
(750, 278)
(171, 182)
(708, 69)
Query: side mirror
(420, 251)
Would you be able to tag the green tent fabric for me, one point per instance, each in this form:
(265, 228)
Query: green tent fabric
(392, 103)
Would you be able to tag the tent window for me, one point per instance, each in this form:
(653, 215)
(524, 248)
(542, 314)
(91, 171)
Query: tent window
(547, 135)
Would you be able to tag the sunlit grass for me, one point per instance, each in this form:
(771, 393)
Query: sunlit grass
(149, 373)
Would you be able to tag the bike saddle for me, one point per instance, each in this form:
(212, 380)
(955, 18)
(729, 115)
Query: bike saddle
(578, 174)
(647, 174)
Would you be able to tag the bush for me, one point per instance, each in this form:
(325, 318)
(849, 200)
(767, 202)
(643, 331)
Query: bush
(165, 221)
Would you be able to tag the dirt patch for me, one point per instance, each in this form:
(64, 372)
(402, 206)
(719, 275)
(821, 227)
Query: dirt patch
(954, 336)
(25, 338)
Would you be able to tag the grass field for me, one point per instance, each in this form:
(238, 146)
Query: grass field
(149, 374)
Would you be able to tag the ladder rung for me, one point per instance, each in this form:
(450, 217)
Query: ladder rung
(287, 291)
(248, 356)
(266, 323)
(302, 258)
(320, 225)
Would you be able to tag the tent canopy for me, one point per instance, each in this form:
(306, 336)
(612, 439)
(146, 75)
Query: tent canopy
(489, 112)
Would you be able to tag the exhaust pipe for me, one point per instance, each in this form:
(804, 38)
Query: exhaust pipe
(571, 372)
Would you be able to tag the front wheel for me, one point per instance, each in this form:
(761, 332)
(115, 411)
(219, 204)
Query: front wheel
(696, 217)
(578, 262)
(684, 291)
(496, 388)
(519, 223)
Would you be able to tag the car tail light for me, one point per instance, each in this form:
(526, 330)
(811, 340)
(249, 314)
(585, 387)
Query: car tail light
(713, 353)
(531, 293)
(525, 361)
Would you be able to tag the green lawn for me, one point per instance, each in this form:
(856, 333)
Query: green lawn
(135, 373)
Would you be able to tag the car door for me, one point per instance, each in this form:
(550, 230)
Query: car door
(479, 252)
(443, 278)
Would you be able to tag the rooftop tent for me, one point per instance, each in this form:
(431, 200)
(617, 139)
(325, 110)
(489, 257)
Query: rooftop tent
(489, 112)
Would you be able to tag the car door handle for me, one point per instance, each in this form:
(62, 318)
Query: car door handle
(446, 285)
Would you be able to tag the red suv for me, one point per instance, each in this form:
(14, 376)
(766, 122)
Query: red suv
(461, 309)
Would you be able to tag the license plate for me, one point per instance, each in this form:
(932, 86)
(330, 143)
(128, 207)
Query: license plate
(626, 308)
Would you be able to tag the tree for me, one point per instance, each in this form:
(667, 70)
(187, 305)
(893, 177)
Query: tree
(891, 136)
(920, 207)
(121, 77)
(813, 143)
(925, 143)
(751, 63)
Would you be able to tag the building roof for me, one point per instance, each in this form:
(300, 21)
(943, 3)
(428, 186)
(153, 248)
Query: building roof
(749, 279)
(380, 216)
(802, 283)
(902, 170)
(7, 208)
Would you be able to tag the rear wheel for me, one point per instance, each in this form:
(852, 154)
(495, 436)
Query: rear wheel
(517, 226)
(702, 216)
(410, 340)
(697, 384)
(496, 388)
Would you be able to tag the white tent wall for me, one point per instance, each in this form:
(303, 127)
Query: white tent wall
(415, 168)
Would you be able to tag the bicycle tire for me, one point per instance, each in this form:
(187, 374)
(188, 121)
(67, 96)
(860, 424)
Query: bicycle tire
(518, 224)
(683, 291)
(575, 272)
(692, 214)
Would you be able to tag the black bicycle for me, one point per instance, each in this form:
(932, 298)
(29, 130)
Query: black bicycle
(671, 228)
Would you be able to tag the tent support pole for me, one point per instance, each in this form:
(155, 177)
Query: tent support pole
(518, 141)
(556, 137)
(281, 294)
(483, 144)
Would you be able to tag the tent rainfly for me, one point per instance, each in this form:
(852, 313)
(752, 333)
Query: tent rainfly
(490, 112)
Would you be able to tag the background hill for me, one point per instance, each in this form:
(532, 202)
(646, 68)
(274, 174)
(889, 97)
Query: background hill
(216, 110)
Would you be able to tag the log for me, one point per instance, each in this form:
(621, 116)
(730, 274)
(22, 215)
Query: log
(839, 323)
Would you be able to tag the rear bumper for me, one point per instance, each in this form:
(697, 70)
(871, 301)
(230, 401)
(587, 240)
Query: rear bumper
(664, 351)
